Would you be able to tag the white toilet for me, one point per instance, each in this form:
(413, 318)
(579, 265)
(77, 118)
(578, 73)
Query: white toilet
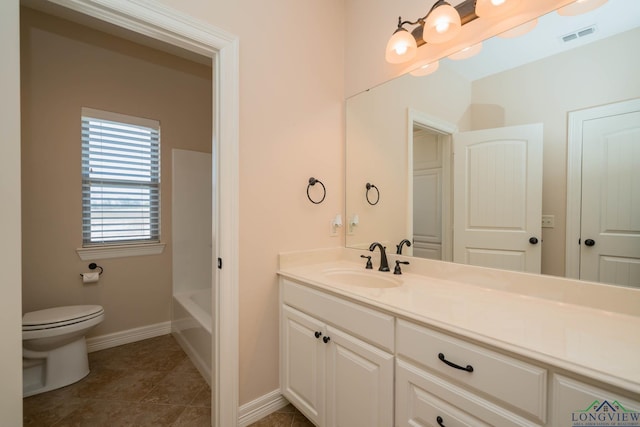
(54, 351)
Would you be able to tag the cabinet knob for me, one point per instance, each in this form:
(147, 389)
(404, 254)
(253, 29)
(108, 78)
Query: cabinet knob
(439, 420)
(326, 339)
(317, 334)
(533, 240)
(589, 242)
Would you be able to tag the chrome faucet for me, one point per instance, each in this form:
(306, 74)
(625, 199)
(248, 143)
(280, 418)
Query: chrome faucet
(402, 243)
(384, 265)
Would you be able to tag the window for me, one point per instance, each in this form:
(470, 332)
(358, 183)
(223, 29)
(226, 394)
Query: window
(120, 179)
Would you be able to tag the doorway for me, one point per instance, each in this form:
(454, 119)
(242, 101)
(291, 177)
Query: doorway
(429, 154)
(183, 33)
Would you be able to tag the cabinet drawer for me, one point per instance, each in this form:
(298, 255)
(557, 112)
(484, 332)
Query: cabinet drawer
(368, 325)
(507, 379)
(422, 399)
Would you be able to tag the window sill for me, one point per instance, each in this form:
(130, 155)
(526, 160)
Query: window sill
(103, 252)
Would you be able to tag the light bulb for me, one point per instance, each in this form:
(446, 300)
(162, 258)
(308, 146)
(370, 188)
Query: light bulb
(442, 24)
(402, 47)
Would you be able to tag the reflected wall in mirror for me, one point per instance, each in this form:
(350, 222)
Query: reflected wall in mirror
(410, 123)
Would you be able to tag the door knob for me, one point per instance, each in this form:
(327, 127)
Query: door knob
(533, 240)
(589, 242)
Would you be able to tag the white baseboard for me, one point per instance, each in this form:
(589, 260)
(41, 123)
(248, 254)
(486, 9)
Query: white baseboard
(125, 337)
(261, 407)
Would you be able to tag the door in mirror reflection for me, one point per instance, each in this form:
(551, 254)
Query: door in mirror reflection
(610, 226)
(497, 197)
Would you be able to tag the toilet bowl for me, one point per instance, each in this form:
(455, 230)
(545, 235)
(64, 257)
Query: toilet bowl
(54, 350)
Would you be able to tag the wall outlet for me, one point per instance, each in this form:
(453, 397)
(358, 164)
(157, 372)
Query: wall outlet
(548, 221)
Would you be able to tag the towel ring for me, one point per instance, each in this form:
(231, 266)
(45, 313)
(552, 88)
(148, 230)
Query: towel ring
(93, 266)
(312, 182)
(369, 187)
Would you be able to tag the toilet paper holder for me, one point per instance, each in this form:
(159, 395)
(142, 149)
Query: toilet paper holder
(93, 266)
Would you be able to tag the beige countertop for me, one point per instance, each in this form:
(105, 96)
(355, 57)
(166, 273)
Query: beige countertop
(532, 316)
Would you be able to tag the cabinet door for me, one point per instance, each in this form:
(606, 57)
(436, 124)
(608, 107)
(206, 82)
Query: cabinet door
(359, 383)
(302, 366)
(579, 404)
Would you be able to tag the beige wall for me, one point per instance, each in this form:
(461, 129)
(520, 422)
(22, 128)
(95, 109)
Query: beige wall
(545, 91)
(65, 67)
(10, 313)
(291, 128)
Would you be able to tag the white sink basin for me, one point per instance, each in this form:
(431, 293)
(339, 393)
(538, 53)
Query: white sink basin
(366, 279)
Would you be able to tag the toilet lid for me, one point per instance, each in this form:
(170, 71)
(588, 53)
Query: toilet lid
(59, 316)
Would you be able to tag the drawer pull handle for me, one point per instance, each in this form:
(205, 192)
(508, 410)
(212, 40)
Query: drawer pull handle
(468, 368)
(326, 339)
(317, 334)
(439, 420)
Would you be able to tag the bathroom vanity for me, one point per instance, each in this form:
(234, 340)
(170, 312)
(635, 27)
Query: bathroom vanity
(453, 345)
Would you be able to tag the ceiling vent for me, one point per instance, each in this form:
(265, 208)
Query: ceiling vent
(579, 34)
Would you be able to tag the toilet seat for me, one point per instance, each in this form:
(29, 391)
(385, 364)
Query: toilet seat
(60, 316)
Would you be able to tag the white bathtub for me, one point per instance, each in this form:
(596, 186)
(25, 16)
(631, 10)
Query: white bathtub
(191, 325)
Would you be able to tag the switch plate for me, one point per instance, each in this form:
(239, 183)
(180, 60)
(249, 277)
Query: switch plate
(548, 221)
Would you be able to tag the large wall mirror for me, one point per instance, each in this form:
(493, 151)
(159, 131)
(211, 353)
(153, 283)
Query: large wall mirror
(524, 157)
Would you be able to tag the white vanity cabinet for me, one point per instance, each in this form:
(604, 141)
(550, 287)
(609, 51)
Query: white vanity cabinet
(349, 360)
(336, 364)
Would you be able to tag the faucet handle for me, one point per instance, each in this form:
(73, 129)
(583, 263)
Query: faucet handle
(369, 265)
(397, 270)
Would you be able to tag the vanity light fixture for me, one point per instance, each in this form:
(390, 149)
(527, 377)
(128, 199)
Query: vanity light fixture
(580, 6)
(441, 24)
(491, 8)
(467, 52)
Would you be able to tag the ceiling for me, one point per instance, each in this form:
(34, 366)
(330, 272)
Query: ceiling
(500, 54)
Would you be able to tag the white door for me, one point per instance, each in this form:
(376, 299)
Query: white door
(303, 363)
(497, 198)
(610, 229)
(359, 383)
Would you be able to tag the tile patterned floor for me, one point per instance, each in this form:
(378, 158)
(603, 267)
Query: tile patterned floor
(146, 383)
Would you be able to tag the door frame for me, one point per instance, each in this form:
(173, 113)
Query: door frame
(446, 129)
(574, 175)
(176, 28)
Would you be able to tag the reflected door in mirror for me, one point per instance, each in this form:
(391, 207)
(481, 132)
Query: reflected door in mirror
(498, 197)
(610, 249)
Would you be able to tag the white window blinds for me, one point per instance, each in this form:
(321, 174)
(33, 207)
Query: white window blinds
(120, 179)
